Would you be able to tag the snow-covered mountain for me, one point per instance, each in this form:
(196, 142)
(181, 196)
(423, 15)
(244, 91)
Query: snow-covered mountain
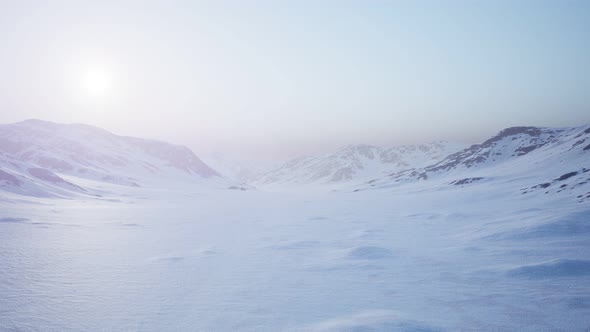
(42, 158)
(356, 163)
(535, 159)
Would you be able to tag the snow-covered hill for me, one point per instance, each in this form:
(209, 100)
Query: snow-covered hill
(40, 158)
(456, 258)
(546, 160)
(356, 163)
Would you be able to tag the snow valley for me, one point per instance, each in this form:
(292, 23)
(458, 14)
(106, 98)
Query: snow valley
(106, 232)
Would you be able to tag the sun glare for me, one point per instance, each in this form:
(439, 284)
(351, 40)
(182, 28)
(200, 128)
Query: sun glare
(97, 82)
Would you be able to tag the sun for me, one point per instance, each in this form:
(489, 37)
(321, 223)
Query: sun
(97, 82)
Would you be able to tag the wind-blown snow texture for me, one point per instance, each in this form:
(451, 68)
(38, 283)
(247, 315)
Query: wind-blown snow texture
(474, 246)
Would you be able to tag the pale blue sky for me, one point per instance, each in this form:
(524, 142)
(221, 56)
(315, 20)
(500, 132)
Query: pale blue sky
(281, 78)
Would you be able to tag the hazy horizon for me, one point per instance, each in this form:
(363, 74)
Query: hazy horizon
(210, 155)
(282, 218)
(274, 81)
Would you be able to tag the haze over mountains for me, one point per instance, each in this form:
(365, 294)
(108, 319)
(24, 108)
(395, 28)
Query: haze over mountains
(295, 166)
(432, 237)
(355, 163)
(39, 158)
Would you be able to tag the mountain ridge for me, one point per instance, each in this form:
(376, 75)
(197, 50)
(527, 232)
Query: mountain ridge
(36, 155)
(532, 159)
(355, 162)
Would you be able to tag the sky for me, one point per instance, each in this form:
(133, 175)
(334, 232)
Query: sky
(278, 79)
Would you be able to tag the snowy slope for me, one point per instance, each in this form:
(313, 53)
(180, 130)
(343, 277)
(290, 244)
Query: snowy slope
(356, 163)
(35, 156)
(466, 258)
(546, 160)
(487, 239)
(28, 179)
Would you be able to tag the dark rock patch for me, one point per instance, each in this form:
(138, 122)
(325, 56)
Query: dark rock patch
(531, 131)
(237, 188)
(578, 143)
(566, 176)
(466, 181)
(524, 150)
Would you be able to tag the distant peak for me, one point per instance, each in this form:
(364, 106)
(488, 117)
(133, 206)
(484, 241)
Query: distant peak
(510, 131)
(358, 147)
(513, 131)
(42, 124)
(37, 122)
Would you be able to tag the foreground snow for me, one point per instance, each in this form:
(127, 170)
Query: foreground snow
(415, 258)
